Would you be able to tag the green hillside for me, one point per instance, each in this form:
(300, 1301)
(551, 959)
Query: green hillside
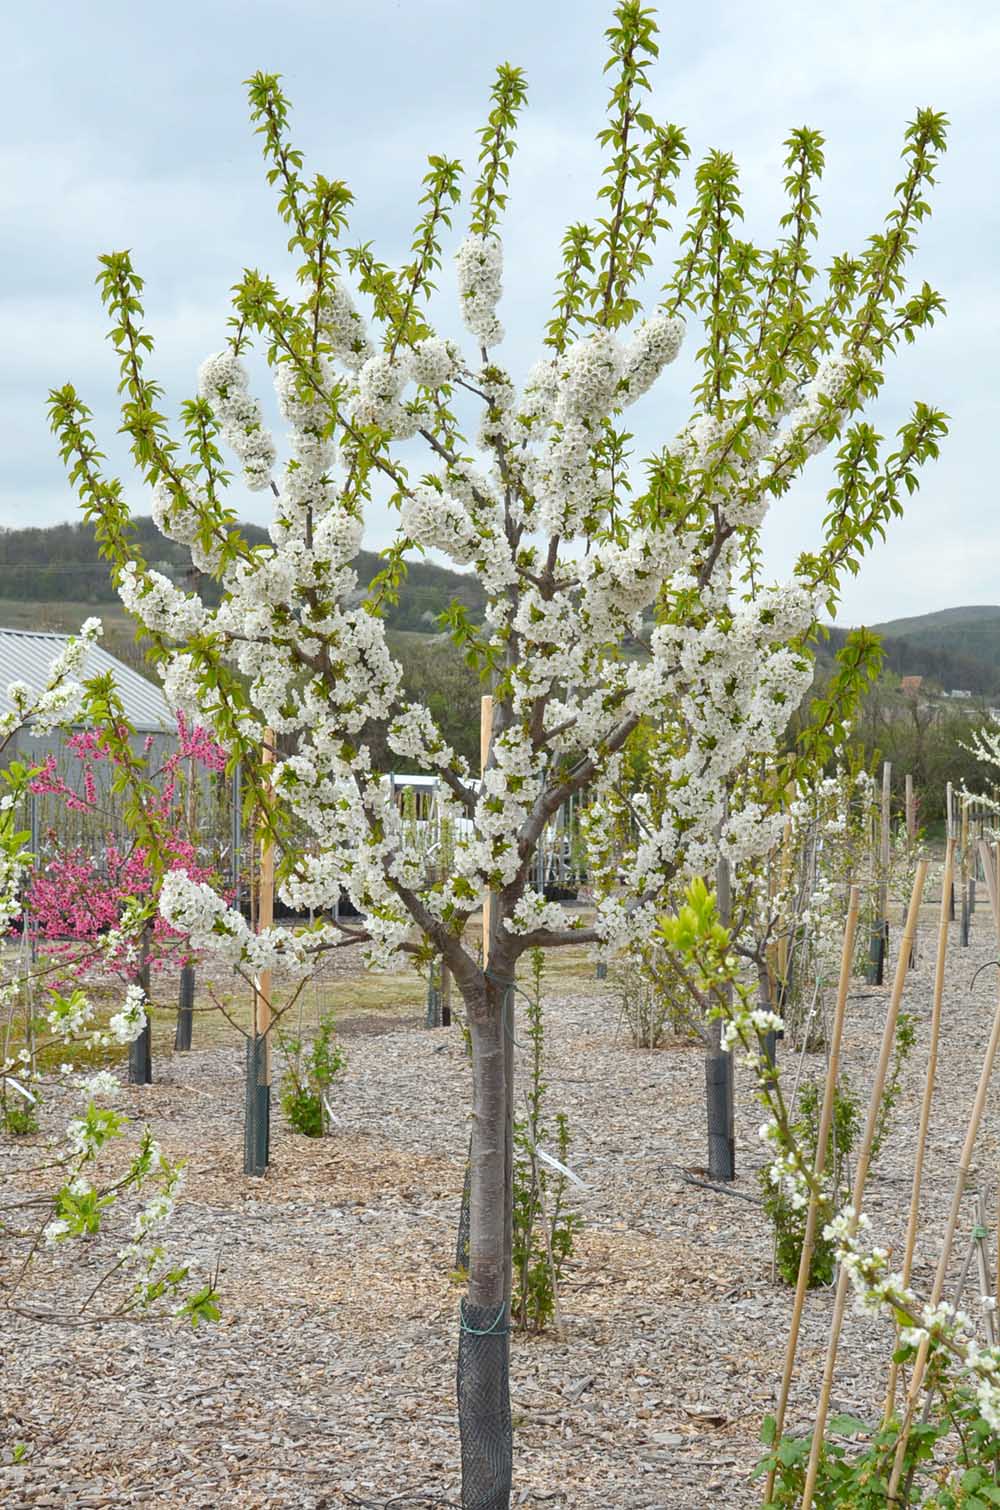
(52, 578)
(958, 647)
(955, 647)
(944, 619)
(60, 565)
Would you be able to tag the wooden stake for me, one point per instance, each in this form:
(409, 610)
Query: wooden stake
(861, 1177)
(964, 851)
(911, 811)
(878, 944)
(786, 868)
(826, 1119)
(507, 1025)
(719, 1077)
(949, 802)
(925, 1109)
(989, 876)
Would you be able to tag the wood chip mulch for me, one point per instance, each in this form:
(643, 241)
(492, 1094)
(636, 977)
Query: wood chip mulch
(330, 1380)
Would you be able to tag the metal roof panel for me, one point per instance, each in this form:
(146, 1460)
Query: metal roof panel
(26, 655)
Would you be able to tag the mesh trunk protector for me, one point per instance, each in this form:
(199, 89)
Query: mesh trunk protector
(721, 1140)
(484, 1407)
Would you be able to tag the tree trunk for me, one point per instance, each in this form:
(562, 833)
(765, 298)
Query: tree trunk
(484, 1338)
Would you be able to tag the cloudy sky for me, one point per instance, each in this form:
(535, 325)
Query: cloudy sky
(125, 125)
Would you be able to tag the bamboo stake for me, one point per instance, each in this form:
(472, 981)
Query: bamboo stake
(989, 875)
(925, 1109)
(961, 1177)
(861, 1176)
(826, 1119)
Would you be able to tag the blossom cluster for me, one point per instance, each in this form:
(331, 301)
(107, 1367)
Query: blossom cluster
(224, 382)
(718, 675)
(876, 1288)
(479, 264)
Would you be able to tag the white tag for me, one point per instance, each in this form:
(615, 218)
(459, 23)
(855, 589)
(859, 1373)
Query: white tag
(556, 1164)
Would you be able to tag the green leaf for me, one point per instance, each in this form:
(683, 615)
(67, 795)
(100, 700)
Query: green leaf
(849, 1426)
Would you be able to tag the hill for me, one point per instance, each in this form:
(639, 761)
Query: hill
(52, 578)
(954, 647)
(60, 565)
(944, 619)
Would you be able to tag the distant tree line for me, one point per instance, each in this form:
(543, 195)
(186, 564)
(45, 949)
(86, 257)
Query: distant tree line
(61, 563)
(970, 659)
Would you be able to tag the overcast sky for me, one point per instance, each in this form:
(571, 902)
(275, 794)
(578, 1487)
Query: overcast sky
(126, 125)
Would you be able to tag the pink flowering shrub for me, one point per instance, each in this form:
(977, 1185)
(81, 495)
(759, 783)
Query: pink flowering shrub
(78, 895)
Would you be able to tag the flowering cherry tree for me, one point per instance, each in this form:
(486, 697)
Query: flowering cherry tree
(573, 544)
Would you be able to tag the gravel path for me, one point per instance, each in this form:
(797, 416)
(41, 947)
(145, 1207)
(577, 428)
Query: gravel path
(331, 1377)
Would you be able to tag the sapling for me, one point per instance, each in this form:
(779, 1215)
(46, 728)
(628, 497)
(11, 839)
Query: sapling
(540, 498)
(310, 1070)
(789, 1220)
(545, 1224)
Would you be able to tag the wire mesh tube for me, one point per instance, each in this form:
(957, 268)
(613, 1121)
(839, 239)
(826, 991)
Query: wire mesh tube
(434, 997)
(484, 1417)
(257, 1122)
(185, 1009)
(721, 1135)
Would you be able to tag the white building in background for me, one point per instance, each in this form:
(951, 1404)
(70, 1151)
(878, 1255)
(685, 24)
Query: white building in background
(26, 655)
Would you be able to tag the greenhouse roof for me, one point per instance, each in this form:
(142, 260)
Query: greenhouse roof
(26, 655)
